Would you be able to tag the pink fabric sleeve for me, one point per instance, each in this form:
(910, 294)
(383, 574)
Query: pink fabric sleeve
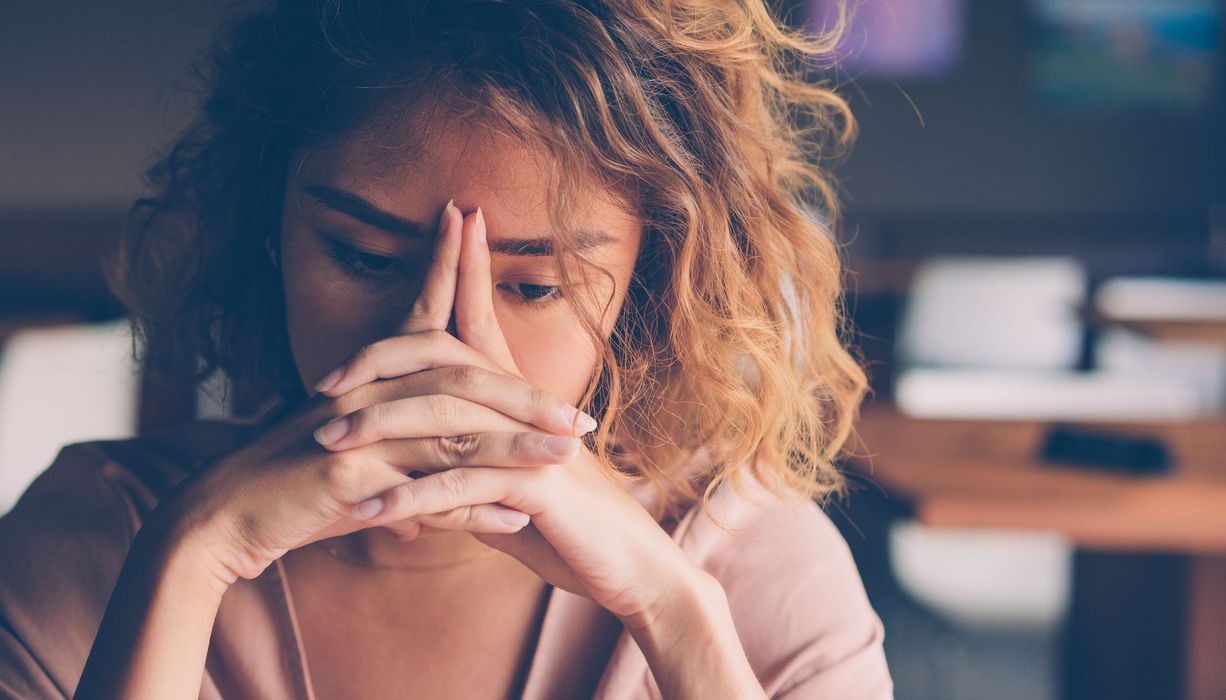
(796, 596)
(838, 636)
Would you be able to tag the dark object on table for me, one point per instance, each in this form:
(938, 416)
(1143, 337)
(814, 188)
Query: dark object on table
(1105, 450)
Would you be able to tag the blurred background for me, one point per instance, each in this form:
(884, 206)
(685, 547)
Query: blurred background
(1036, 233)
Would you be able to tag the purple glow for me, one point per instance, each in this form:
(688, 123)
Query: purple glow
(896, 37)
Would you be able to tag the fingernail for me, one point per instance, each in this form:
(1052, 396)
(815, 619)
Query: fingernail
(561, 445)
(578, 419)
(514, 518)
(330, 379)
(587, 423)
(480, 225)
(367, 509)
(332, 431)
(446, 217)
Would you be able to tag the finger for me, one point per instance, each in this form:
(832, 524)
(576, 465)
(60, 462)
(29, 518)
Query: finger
(476, 322)
(431, 415)
(537, 553)
(432, 309)
(399, 355)
(355, 478)
(406, 530)
(507, 394)
(447, 490)
(502, 449)
(485, 517)
(426, 531)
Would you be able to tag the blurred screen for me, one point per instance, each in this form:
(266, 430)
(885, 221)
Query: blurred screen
(1111, 54)
(896, 38)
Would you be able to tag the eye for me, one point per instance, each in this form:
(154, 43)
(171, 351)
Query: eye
(533, 294)
(360, 263)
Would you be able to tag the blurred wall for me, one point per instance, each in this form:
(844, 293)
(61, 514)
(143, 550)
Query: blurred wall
(87, 94)
(976, 144)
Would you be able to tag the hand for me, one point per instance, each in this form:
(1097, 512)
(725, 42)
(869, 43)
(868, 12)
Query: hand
(588, 535)
(283, 490)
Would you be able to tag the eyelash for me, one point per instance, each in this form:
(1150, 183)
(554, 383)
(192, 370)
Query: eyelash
(353, 261)
(554, 293)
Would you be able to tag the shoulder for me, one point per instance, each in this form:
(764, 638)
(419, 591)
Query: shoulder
(64, 542)
(98, 492)
(120, 480)
(62, 546)
(794, 591)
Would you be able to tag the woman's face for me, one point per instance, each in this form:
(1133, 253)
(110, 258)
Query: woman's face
(358, 234)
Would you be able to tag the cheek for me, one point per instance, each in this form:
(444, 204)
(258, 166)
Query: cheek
(556, 356)
(326, 321)
(554, 350)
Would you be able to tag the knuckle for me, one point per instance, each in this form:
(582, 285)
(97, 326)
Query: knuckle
(525, 445)
(477, 517)
(442, 407)
(452, 486)
(540, 401)
(340, 473)
(464, 516)
(456, 450)
(468, 376)
(453, 519)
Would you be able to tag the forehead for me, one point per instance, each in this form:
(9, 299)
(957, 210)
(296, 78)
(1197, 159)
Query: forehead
(410, 169)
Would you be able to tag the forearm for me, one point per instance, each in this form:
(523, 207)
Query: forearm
(692, 647)
(155, 633)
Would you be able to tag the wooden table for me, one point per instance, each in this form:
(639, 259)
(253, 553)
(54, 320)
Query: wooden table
(1148, 615)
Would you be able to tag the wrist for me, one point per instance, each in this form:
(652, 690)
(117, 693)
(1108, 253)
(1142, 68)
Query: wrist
(192, 568)
(691, 643)
(155, 631)
(186, 547)
(690, 592)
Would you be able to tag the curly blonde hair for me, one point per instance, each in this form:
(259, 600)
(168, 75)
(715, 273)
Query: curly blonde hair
(703, 116)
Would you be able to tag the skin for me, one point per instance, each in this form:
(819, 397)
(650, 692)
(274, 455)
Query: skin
(331, 313)
(438, 350)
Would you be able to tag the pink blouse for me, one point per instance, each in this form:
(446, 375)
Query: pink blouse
(795, 595)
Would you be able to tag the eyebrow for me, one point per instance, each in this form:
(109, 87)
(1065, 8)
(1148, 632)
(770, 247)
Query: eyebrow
(354, 206)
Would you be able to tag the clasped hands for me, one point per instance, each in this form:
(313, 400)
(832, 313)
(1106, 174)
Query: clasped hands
(478, 431)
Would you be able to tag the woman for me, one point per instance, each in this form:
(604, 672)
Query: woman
(552, 356)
